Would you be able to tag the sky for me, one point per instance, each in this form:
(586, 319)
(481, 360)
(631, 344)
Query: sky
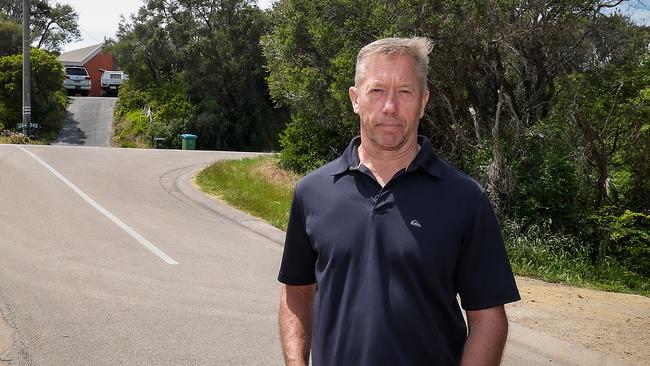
(99, 19)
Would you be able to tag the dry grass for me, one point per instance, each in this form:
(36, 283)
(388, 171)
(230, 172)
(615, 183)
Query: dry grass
(269, 170)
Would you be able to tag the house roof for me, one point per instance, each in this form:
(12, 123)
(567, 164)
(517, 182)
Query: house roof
(80, 56)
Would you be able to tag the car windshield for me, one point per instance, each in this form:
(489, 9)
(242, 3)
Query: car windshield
(116, 76)
(76, 71)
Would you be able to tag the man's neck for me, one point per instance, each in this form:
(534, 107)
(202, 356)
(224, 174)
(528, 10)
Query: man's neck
(384, 164)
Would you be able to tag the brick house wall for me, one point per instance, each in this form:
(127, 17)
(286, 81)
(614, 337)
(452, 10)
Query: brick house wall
(104, 61)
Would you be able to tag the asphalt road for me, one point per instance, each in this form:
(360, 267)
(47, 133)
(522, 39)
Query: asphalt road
(80, 290)
(87, 122)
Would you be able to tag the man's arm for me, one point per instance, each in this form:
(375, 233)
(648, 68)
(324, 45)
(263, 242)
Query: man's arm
(488, 330)
(295, 323)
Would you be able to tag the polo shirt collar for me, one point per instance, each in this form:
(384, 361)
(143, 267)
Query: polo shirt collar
(425, 159)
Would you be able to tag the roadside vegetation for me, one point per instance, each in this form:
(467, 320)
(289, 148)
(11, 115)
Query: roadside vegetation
(254, 185)
(48, 98)
(263, 189)
(19, 138)
(196, 67)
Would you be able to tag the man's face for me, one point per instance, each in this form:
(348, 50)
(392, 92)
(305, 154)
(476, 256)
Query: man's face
(389, 101)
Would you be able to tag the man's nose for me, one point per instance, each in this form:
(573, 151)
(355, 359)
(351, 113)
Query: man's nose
(390, 103)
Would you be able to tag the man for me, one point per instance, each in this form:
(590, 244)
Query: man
(382, 239)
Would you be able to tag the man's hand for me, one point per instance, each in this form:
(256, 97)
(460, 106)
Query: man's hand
(295, 323)
(488, 330)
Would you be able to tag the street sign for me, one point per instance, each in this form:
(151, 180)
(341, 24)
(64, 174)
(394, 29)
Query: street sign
(31, 125)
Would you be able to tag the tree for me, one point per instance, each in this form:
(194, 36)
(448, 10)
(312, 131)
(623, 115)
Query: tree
(503, 78)
(48, 96)
(610, 107)
(10, 38)
(207, 52)
(54, 26)
(51, 26)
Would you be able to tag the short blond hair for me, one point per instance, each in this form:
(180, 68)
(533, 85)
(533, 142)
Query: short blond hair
(416, 47)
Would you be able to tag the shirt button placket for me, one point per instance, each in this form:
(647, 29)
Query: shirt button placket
(375, 202)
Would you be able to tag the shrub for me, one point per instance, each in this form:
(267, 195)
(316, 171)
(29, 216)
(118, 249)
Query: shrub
(48, 96)
(170, 114)
(308, 143)
(9, 137)
(628, 239)
(130, 129)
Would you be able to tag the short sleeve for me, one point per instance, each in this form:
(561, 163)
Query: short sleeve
(484, 276)
(299, 257)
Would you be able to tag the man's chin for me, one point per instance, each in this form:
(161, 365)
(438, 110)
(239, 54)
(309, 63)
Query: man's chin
(390, 144)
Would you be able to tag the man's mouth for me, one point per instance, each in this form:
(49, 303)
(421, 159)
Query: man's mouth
(389, 124)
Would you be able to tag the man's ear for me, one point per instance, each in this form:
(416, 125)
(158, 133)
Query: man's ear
(354, 95)
(425, 99)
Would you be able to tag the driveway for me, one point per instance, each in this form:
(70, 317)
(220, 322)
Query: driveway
(88, 122)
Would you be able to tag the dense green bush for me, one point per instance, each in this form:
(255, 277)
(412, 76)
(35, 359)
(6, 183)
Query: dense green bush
(307, 144)
(549, 179)
(626, 237)
(130, 128)
(200, 72)
(141, 116)
(48, 97)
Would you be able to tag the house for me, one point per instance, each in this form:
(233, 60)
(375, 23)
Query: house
(94, 59)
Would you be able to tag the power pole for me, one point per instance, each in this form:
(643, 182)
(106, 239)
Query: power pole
(27, 100)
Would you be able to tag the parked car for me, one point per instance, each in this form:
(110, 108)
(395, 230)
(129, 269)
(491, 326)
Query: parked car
(111, 81)
(77, 80)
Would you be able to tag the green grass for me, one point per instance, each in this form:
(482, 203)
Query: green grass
(537, 252)
(239, 184)
(534, 252)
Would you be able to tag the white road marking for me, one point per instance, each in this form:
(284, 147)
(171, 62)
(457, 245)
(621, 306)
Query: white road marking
(142, 240)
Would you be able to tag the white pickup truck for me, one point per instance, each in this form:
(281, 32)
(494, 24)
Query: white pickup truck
(111, 81)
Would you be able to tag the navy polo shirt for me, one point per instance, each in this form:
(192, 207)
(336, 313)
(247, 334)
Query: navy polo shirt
(388, 262)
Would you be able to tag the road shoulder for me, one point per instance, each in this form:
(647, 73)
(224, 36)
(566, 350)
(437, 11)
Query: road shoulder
(612, 324)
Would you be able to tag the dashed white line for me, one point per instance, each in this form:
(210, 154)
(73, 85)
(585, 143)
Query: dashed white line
(142, 240)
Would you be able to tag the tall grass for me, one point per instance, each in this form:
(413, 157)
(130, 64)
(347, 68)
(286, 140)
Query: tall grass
(538, 252)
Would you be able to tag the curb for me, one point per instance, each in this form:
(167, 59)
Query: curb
(186, 187)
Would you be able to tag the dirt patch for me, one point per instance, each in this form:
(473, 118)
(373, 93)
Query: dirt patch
(617, 325)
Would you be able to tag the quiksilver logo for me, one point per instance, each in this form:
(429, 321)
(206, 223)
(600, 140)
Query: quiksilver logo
(415, 223)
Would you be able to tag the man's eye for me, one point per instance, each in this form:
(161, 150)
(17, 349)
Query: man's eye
(376, 90)
(405, 91)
